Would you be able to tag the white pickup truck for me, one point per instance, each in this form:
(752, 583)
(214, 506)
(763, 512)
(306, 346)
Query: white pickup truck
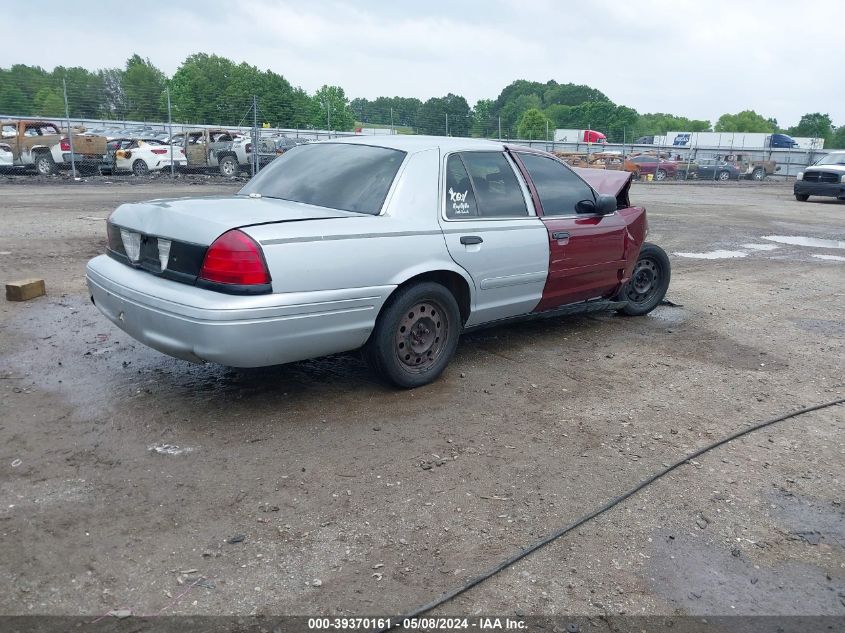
(43, 146)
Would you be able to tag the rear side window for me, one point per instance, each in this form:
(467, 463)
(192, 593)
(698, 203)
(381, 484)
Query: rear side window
(497, 191)
(560, 190)
(343, 176)
(460, 198)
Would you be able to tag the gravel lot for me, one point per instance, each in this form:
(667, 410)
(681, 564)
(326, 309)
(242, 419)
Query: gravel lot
(347, 497)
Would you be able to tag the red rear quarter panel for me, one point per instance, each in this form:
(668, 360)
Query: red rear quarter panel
(637, 227)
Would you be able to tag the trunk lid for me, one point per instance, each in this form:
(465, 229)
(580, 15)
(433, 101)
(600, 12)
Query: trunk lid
(202, 220)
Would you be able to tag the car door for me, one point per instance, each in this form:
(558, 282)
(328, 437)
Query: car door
(586, 249)
(123, 157)
(705, 169)
(492, 232)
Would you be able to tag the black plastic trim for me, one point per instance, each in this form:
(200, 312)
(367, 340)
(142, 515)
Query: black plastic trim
(235, 289)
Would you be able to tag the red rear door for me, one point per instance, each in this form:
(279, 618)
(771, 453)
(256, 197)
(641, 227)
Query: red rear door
(586, 250)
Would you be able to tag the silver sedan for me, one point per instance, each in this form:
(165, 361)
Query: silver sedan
(395, 245)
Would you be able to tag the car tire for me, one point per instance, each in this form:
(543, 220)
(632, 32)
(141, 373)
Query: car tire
(44, 164)
(758, 174)
(229, 166)
(660, 175)
(415, 336)
(723, 176)
(649, 281)
(140, 168)
(802, 197)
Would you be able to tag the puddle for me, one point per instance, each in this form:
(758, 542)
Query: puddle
(825, 327)
(169, 449)
(830, 258)
(759, 247)
(669, 315)
(797, 240)
(713, 255)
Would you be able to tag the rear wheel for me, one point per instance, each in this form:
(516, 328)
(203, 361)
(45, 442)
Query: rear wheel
(758, 174)
(415, 336)
(660, 175)
(649, 281)
(139, 168)
(229, 166)
(802, 197)
(44, 164)
(724, 175)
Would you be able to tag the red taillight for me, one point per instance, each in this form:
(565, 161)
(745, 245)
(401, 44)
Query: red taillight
(158, 151)
(64, 145)
(235, 258)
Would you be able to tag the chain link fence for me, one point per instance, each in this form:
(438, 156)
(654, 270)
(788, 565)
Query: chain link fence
(83, 124)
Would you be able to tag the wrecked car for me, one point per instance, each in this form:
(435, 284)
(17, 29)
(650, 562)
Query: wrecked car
(43, 146)
(394, 246)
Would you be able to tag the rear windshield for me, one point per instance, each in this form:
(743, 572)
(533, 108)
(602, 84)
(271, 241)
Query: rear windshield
(332, 175)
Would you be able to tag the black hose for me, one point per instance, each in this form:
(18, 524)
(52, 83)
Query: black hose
(477, 580)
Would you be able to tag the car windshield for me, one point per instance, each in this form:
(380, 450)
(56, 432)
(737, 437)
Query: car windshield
(343, 176)
(837, 158)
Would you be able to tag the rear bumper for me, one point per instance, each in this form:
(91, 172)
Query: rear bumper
(829, 189)
(240, 331)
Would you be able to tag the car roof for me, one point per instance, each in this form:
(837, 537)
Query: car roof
(414, 143)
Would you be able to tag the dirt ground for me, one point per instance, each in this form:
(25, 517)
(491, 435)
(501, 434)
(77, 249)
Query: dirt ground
(342, 496)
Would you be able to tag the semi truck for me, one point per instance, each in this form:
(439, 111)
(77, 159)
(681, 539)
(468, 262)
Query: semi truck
(735, 140)
(579, 136)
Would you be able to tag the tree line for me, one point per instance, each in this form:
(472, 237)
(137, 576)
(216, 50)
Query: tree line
(211, 89)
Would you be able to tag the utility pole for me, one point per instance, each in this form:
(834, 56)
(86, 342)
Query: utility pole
(170, 133)
(447, 124)
(500, 128)
(69, 131)
(254, 134)
(392, 131)
(328, 116)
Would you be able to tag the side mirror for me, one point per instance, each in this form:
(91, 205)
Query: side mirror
(606, 204)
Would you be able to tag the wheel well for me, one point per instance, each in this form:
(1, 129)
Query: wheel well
(456, 284)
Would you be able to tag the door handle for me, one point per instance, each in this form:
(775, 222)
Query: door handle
(466, 240)
(560, 235)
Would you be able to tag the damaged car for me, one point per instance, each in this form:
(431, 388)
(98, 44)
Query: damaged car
(394, 246)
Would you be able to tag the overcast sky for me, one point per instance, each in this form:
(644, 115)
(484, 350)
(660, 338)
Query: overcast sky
(698, 58)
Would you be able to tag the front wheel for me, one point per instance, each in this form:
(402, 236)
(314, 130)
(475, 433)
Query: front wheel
(415, 336)
(802, 197)
(758, 174)
(649, 281)
(660, 175)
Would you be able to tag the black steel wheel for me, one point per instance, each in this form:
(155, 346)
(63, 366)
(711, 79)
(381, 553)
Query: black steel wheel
(415, 335)
(802, 197)
(649, 281)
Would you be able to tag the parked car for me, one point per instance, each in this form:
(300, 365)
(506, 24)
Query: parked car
(825, 177)
(6, 157)
(661, 169)
(141, 156)
(712, 169)
(284, 143)
(41, 145)
(393, 244)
